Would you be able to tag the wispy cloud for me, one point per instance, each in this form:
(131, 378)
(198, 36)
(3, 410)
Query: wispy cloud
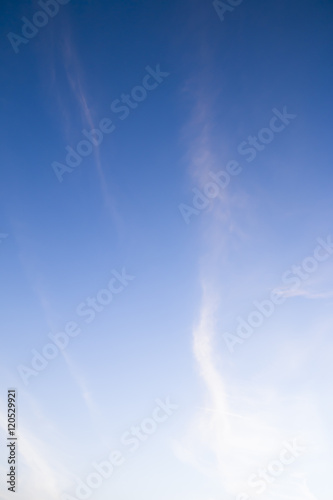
(68, 82)
(227, 437)
(303, 292)
(75, 79)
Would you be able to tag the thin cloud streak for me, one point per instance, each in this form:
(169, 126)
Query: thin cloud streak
(74, 76)
(307, 294)
(66, 79)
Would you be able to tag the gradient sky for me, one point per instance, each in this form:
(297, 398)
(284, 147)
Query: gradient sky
(164, 334)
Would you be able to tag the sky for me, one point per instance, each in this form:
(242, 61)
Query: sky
(166, 249)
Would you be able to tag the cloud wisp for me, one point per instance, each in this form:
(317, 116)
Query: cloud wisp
(226, 439)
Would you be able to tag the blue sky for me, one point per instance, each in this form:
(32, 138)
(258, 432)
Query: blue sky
(199, 88)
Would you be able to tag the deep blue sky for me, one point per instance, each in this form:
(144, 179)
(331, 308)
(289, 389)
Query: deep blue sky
(120, 209)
